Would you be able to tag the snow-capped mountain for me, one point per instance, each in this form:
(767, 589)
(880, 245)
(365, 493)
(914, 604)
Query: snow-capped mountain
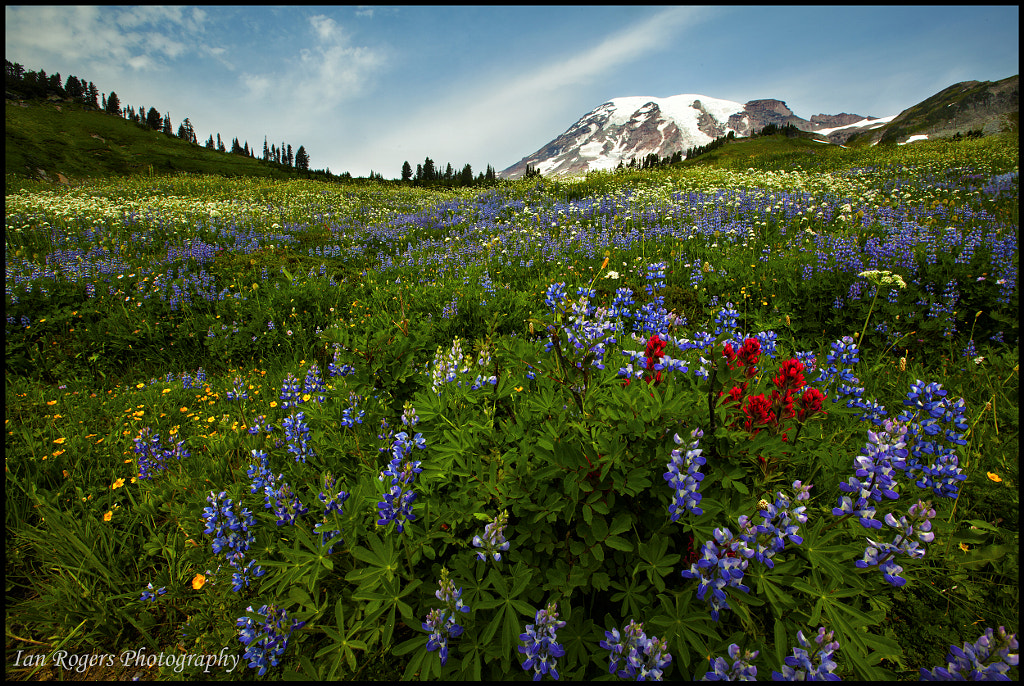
(628, 128)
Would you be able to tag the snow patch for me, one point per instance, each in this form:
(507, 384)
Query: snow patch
(916, 137)
(863, 123)
(677, 107)
(592, 149)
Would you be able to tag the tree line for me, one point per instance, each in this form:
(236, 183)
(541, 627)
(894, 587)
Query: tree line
(38, 85)
(429, 173)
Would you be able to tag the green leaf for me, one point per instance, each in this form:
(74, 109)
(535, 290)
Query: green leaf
(600, 528)
(622, 522)
(781, 640)
(619, 543)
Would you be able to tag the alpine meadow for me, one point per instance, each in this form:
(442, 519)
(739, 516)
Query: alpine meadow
(752, 414)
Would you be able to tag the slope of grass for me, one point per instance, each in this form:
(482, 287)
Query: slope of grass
(77, 142)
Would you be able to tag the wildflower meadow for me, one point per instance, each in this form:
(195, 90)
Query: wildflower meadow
(692, 422)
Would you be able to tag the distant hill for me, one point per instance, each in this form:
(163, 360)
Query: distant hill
(60, 141)
(985, 106)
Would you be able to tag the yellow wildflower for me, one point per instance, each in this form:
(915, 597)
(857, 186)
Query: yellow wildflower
(995, 477)
(198, 581)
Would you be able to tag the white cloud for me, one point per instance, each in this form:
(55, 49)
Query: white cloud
(143, 36)
(320, 77)
(257, 86)
(325, 27)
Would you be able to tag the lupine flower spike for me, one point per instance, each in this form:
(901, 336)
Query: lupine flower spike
(540, 647)
(493, 541)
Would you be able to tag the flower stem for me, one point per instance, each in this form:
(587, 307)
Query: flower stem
(860, 340)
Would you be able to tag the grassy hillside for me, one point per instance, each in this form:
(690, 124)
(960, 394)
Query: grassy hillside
(69, 139)
(988, 105)
(746, 152)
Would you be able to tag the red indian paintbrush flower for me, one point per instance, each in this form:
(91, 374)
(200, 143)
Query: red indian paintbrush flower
(790, 375)
(810, 403)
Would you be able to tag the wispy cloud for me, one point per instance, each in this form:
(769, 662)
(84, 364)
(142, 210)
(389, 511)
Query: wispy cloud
(318, 78)
(471, 119)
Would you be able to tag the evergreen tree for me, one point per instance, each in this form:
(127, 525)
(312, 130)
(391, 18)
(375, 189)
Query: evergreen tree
(104, 102)
(266, 150)
(73, 87)
(167, 124)
(15, 72)
(301, 159)
(209, 142)
(406, 171)
(236, 148)
(448, 172)
(153, 119)
(466, 177)
(93, 94)
(291, 157)
(113, 104)
(220, 144)
(428, 170)
(419, 172)
(190, 132)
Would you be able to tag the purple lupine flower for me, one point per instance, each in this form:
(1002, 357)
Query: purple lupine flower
(717, 569)
(917, 523)
(724, 560)
(928, 406)
(800, 667)
(539, 644)
(290, 395)
(685, 477)
(987, 659)
(441, 623)
(875, 473)
(149, 595)
(296, 432)
(313, 384)
(237, 391)
(244, 575)
(493, 541)
(645, 658)
(265, 652)
(331, 504)
(287, 506)
(741, 669)
(152, 456)
(397, 502)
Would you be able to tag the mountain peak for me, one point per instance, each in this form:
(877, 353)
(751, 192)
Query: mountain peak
(633, 127)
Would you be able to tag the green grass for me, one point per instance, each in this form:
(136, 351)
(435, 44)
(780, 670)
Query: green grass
(79, 142)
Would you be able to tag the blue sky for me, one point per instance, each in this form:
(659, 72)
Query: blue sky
(369, 87)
